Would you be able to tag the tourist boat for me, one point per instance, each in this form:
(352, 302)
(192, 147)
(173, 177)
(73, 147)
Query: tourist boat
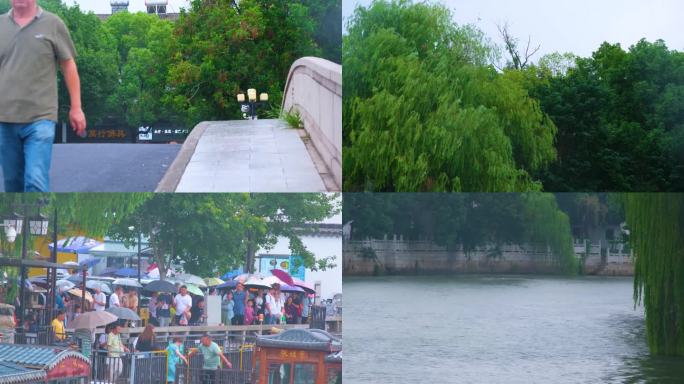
(298, 356)
(42, 364)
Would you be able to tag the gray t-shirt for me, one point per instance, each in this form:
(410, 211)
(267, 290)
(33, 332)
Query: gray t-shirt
(29, 58)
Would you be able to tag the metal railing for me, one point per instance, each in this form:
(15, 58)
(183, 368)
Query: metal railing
(191, 375)
(42, 335)
(135, 367)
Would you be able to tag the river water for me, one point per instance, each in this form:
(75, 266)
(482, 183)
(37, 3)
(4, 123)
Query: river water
(488, 329)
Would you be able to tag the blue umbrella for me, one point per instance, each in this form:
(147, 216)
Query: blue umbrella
(231, 274)
(78, 244)
(126, 272)
(227, 284)
(89, 262)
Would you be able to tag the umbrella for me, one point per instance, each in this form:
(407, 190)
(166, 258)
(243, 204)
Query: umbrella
(123, 313)
(92, 284)
(92, 320)
(247, 276)
(78, 244)
(283, 276)
(127, 283)
(161, 286)
(227, 284)
(78, 293)
(126, 272)
(291, 288)
(254, 282)
(187, 278)
(89, 262)
(75, 264)
(213, 281)
(39, 281)
(64, 285)
(108, 271)
(192, 288)
(308, 288)
(231, 274)
(76, 279)
(270, 280)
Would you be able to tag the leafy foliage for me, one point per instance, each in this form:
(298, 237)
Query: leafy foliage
(423, 111)
(620, 119)
(137, 69)
(467, 219)
(210, 232)
(656, 222)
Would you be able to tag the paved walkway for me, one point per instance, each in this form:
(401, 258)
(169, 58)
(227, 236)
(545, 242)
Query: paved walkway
(108, 167)
(245, 156)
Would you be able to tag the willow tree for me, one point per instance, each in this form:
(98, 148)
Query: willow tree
(424, 111)
(77, 213)
(657, 232)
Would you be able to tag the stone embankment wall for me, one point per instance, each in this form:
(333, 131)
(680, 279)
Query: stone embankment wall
(404, 257)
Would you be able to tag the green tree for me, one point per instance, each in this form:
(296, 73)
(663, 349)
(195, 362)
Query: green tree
(469, 220)
(225, 47)
(656, 221)
(619, 116)
(144, 47)
(211, 232)
(424, 111)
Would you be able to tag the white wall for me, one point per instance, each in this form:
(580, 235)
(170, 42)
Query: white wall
(331, 279)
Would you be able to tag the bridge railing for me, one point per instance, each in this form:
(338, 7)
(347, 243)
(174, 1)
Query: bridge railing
(314, 89)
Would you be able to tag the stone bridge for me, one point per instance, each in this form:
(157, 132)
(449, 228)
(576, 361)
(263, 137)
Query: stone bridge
(268, 155)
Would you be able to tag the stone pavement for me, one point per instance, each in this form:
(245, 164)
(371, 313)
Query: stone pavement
(245, 156)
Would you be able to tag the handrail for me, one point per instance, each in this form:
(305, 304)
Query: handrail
(314, 89)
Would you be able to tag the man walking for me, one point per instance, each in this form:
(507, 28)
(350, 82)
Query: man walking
(32, 44)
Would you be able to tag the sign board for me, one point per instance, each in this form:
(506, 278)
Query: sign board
(161, 134)
(283, 262)
(213, 307)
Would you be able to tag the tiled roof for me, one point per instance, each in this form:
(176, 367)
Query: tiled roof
(14, 374)
(311, 339)
(32, 356)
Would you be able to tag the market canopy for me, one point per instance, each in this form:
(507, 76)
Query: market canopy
(77, 244)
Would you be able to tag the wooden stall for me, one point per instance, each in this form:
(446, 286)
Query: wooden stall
(302, 356)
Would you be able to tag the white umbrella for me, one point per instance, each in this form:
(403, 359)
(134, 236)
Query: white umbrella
(127, 283)
(92, 284)
(246, 276)
(270, 280)
(187, 278)
(256, 283)
(64, 285)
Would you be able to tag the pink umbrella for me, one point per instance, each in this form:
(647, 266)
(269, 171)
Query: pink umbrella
(283, 276)
(306, 286)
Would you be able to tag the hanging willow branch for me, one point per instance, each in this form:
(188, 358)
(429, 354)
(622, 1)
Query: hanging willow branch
(656, 221)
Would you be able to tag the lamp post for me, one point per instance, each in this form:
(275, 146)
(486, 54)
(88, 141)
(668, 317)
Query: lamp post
(25, 225)
(249, 106)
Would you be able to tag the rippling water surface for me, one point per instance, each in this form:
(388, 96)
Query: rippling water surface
(498, 330)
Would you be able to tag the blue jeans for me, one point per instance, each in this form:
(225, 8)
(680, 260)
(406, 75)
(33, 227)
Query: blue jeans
(26, 152)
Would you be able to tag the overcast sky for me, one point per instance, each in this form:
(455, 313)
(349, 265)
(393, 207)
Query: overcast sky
(577, 26)
(102, 6)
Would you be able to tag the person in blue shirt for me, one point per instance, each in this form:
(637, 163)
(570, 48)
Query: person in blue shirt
(240, 300)
(175, 355)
